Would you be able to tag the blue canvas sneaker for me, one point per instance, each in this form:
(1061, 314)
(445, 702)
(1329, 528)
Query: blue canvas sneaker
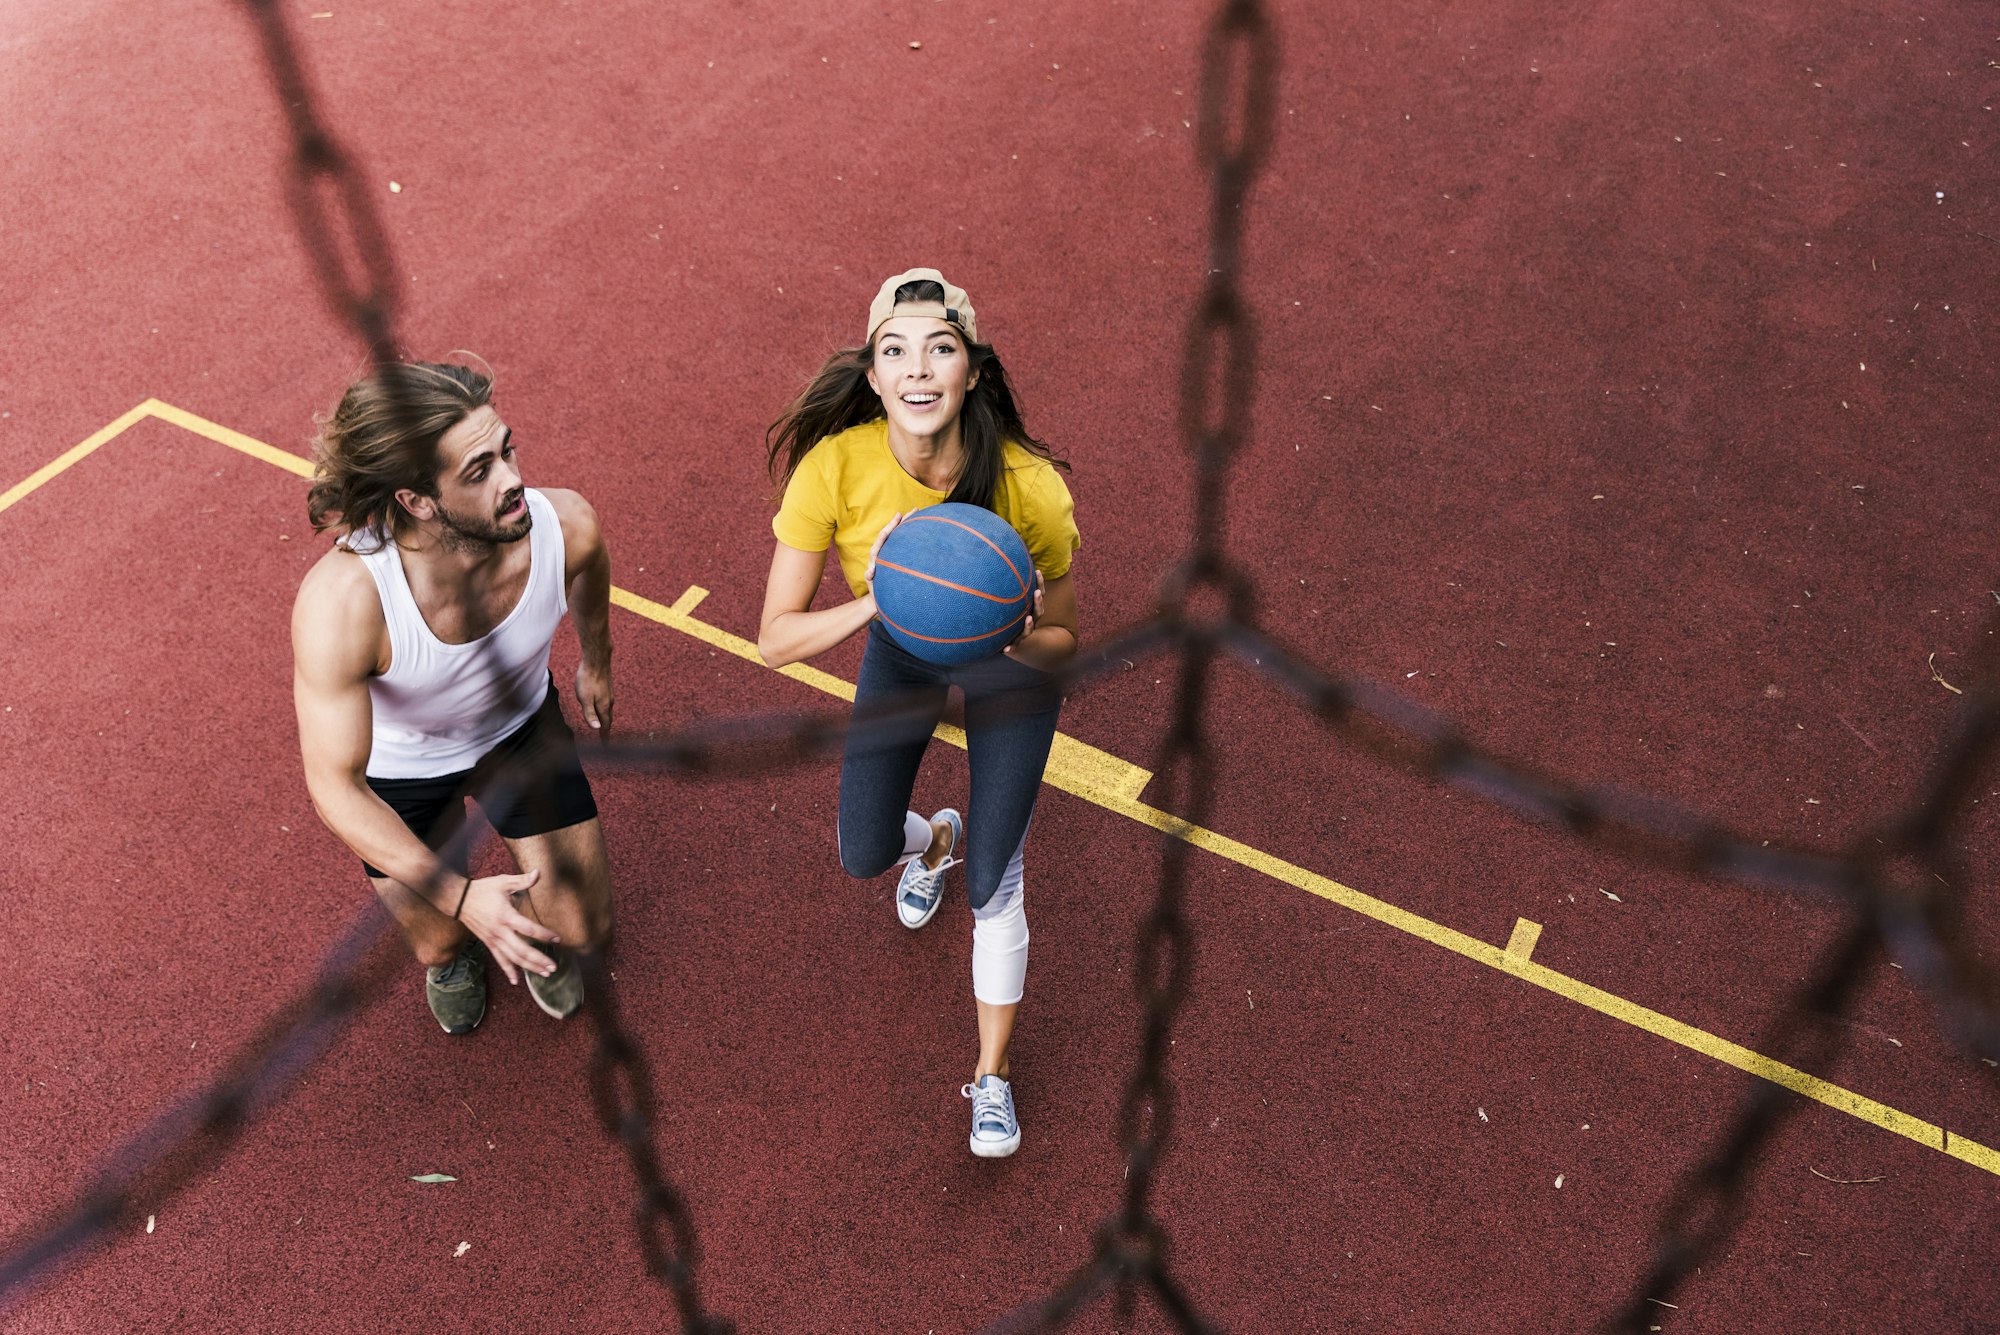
(920, 890)
(996, 1132)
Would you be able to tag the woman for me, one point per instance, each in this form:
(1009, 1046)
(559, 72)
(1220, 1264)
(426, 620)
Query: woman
(919, 414)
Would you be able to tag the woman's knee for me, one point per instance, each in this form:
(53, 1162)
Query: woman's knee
(869, 856)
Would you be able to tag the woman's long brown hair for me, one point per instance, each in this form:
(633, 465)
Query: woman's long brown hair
(839, 396)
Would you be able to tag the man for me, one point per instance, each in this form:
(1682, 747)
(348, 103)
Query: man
(420, 649)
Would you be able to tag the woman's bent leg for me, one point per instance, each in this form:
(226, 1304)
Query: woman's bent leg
(897, 703)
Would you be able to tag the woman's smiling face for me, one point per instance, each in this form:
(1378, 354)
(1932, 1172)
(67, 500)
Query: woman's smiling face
(921, 373)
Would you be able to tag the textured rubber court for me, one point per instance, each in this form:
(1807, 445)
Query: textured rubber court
(1626, 389)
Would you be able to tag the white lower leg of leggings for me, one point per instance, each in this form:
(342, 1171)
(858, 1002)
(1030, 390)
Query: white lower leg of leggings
(916, 836)
(1000, 938)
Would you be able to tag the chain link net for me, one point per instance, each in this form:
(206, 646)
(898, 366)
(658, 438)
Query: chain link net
(1903, 888)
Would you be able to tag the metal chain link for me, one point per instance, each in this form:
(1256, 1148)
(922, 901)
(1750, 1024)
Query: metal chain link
(1914, 913)
(621, 1086)
(1707, 1207)
(1233, 135)
(366, 301)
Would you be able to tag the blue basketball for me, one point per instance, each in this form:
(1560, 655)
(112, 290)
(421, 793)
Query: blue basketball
(953, 583)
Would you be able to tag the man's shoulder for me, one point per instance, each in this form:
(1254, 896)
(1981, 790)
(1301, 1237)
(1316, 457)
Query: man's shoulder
(337, 576)
(576, 515)
(567, 503)
(338, 595)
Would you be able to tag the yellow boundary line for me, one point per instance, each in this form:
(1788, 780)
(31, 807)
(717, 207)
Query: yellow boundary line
(1115, 785)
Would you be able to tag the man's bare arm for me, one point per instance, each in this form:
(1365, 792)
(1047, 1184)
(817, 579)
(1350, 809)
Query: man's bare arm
(589, 582)
(337, 639)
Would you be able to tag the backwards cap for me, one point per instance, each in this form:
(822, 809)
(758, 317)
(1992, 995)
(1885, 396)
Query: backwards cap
(956, 308)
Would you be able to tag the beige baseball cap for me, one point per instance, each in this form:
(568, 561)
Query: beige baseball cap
(956, 308)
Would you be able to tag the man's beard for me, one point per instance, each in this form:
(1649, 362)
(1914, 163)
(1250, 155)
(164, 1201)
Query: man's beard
(464, 533)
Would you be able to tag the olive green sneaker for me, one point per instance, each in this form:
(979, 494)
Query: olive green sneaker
(457, 991)
(561, 992)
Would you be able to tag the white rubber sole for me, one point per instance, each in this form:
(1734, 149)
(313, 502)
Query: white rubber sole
(996, 1149)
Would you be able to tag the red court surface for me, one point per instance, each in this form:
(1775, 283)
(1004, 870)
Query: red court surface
(1626, 390)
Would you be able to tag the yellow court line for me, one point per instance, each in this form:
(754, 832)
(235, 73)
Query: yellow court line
(235, 440)
(87, 446)
(1115, 784)
(1073, 766)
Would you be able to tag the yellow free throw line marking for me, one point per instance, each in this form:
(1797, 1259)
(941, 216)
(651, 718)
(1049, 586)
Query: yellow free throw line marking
(1115, 784)
(1073, 766)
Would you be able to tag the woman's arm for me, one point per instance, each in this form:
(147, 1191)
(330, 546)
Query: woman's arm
(789, 631)
(1050, 638)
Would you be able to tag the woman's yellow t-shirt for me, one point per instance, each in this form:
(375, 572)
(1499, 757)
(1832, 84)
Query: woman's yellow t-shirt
(850, 485)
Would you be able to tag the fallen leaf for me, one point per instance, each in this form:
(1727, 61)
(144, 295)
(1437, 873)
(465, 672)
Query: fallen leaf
(1608, 895)
(434, 1177)
(1844, 1181)
(1932, 662)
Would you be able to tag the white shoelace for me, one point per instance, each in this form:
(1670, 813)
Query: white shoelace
(990, 1106)
(925, 880)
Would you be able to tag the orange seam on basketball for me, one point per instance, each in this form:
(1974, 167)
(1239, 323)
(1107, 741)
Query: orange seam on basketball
(940, 519)
(933, 579)
(938, 639)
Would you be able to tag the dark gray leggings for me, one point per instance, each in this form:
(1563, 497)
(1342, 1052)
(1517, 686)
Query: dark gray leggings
(1010, 723)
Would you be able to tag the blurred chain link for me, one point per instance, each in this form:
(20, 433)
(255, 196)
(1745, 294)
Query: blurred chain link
(1903, 887)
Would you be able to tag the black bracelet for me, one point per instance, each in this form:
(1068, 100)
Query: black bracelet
(461, 899)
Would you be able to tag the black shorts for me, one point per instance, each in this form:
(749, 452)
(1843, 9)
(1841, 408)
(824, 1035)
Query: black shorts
(557, 795)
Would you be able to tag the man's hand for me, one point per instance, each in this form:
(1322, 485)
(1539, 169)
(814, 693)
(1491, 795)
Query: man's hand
(593, 693)
(488, 912)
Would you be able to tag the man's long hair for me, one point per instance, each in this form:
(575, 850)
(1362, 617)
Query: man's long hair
(383, 438)
(839, 397)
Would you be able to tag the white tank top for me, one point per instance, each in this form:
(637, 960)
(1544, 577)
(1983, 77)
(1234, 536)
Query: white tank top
(440, 707)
